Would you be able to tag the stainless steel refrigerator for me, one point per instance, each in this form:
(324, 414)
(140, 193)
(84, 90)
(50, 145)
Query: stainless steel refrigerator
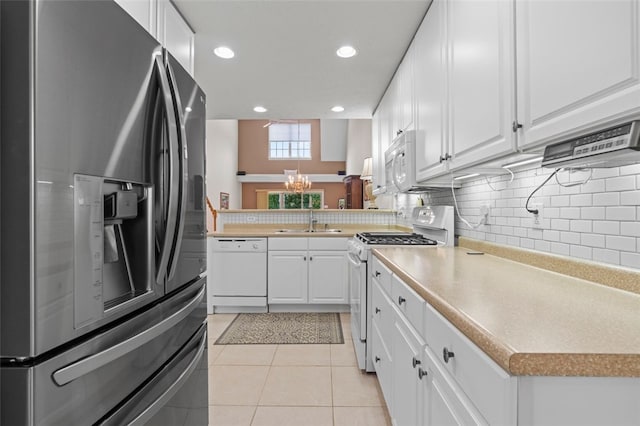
(103, 228)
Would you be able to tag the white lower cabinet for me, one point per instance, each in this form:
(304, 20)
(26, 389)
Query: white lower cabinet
(307, 271)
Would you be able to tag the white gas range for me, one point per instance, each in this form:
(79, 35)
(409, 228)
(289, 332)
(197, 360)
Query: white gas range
(432, 226)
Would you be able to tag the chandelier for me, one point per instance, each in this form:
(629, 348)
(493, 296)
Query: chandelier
(297, 183)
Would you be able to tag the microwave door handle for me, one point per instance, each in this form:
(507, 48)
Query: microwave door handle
(394, 168)
(184, 174)
(172, 187)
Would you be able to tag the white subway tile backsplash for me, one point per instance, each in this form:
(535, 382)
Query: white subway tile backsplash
(606, 227)
(630, 198)
(581, 226)
(631, 229)
(606, 199)
(620, 243)
(570, 237)
(598, 220)
(581, 252)
(621, 213)
(581, 200)
(622, 183)
(592, 240)
(592, 213)
(560, 248)
(631, 260)
(561, 224)
(570, 213)
(606, 256)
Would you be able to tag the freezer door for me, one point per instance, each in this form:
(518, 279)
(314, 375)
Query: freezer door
(95, 378)
(189, 259)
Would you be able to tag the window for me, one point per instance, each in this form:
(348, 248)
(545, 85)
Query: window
(289, 141)
(291, 200)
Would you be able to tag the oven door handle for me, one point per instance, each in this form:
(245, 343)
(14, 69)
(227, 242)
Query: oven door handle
(355, 260)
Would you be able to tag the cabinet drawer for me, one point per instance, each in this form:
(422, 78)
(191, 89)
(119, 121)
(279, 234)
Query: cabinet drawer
(410, 303)
(488, 386)
(382, 274)
(288, 243)
(380, 354)
(327, 243)
(382, 313)
(444, 402)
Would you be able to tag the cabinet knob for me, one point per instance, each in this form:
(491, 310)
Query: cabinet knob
(401, 300)
(377, 310)
(445, 157)
(515, 126)
(377, 273)
(398, 132)
(310, 257)
(421, 373)
(415, 362)
(377, 359)
(446, 354)
(304, 258)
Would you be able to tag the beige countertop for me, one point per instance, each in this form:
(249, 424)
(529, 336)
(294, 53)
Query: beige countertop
(270, 230)
(531, 321)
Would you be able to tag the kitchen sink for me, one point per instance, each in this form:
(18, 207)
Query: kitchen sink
(328, 231)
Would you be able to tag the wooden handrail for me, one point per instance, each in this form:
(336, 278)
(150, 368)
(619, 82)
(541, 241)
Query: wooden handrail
(214, 212)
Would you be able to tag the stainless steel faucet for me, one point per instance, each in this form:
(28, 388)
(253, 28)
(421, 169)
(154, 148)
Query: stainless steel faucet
(312, 221)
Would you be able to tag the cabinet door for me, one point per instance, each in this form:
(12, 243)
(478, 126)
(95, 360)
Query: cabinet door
(430, 80)
(287, 277)
(443, 404)
(143, 11)
(407, 389)
(328, 277)
(175, 34)
(377, 160)
(578, 65)
(481, 80)
(384, 140)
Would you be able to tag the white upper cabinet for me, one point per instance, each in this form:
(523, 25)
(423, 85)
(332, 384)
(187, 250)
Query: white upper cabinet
(430, 93)
(481, 81)
(143, 11)
(464, 85)
(176, 35)
(578, 66)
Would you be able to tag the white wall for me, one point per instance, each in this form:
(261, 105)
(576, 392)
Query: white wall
(358, 145)
(222, 162)
(597, 221)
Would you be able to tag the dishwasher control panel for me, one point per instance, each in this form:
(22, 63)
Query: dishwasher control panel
(240, 245)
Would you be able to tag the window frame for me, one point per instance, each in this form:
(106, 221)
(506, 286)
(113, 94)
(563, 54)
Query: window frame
(282, 194)
(291, 145)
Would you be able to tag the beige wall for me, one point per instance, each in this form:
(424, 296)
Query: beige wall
(358, 145)
(253, 151)
(253, 158)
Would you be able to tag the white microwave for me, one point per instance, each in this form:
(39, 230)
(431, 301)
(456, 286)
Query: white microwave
(399, 164)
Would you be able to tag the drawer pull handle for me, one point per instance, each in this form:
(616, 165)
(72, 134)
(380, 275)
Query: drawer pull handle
(415, 362)
(377, 310)
(421, 373)
(304, 258)
(446, 354)
(401, 300)
(377, 274)
(377, 359)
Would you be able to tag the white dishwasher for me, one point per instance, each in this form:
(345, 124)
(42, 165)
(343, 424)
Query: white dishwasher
(238, 275)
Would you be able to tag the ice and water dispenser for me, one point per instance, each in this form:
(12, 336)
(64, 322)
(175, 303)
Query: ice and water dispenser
(113, 246)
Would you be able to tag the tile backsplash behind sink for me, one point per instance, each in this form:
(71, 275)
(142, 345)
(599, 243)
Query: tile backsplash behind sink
(598, 221)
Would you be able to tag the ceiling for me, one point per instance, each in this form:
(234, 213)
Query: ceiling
(285, 54)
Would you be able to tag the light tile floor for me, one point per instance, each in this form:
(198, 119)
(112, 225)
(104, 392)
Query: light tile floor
(311, 385)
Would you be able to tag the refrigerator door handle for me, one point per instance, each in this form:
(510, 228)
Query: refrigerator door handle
(173, 191)
(155, 406)
(93, 362)
(183, 171)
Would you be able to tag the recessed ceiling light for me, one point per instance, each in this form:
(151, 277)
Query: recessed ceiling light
(260, 109)
(224, 52)
(346, 52)
(337, 108)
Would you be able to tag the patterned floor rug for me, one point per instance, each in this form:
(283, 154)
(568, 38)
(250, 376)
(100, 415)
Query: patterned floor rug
(283, 328)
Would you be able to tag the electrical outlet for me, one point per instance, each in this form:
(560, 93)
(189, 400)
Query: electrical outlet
(537, 218)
